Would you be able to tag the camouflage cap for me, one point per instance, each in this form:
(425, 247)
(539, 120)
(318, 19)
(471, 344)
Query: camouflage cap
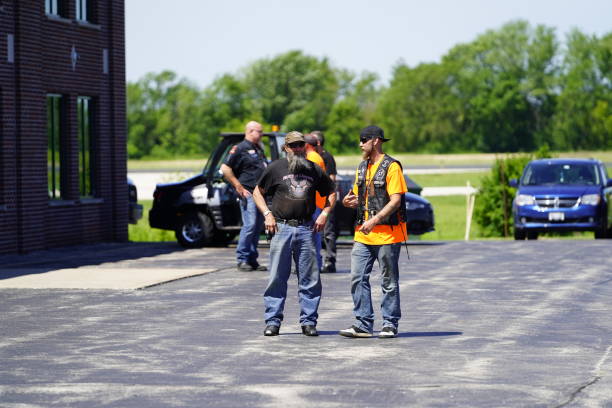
(294, 136)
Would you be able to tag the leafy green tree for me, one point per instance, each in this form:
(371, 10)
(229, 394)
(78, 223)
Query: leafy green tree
(583, 116)
(294, 90)
(504, 81)
(419, 112)
(163, 116)
(354, 110)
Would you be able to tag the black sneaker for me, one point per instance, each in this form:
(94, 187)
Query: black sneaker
(258, 267)
(309, 331)
(244, 267)
(271, 330)
(329, 268)
(354, 331)
(387, 332)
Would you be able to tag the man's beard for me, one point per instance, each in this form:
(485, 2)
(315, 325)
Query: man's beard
(365, 154)
(297, 162)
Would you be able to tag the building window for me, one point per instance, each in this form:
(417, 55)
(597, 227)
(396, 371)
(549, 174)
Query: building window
(86, 163)
(54, 156)
(55, 8)
(83, 10)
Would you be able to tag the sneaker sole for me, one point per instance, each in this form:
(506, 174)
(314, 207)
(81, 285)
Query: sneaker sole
(351, 334)
(387, 336)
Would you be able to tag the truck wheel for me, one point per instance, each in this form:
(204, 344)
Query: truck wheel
(519, 235)
(194, 230)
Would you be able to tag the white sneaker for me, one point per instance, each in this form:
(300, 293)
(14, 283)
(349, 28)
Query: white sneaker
(354, 331)
(387, 332)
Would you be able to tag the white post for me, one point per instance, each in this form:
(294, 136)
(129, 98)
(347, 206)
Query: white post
(471, 198)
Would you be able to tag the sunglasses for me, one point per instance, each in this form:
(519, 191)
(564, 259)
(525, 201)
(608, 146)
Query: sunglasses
(295, 145)
(365, 140)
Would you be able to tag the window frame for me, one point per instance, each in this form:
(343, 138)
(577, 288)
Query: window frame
(83, 11)
(56, 190)
(86, 147)
(55, 8)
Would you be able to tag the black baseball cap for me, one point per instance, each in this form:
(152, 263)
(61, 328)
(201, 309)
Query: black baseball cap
(371, 132)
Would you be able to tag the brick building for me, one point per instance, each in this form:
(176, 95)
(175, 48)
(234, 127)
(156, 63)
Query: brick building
(62, 123)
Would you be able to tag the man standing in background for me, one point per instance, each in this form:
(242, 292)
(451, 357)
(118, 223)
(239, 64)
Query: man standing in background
(312, 154)
(242, 168)
(330, 234)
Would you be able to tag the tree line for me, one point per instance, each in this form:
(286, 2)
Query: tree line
(512, 89)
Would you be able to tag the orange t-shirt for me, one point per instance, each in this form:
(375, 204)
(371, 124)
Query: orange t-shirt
(317, 159)
(383, 234)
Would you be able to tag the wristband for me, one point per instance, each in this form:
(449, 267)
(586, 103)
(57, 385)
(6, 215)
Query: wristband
(266, 213)
(325, 213)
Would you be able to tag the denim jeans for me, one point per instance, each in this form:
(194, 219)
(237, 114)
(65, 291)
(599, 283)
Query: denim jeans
(362, 261)
(330, 234)
(292, 242)
(252, 223)
(316, 238)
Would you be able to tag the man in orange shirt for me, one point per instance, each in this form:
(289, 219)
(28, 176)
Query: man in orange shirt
(311, 154)
(378, 196)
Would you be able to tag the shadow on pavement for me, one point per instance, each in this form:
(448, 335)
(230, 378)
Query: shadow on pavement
(429, 334)
(81, 255)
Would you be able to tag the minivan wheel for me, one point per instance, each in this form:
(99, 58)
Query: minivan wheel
(194, 230)
(602, 233)
(519, 234)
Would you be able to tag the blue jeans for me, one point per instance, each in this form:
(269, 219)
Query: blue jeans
(362, 261)
(316, 238)
(293, 242)
(252, 223)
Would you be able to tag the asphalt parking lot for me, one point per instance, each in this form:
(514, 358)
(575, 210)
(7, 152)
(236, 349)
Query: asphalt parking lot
(485, 324)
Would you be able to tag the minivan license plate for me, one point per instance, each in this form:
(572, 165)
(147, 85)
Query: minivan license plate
(556, 216)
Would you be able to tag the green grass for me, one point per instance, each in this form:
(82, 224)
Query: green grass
(449, 179)
(449, 213)
(141, 232)
(195, 164)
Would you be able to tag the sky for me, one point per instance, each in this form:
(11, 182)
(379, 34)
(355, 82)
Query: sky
(203, 39)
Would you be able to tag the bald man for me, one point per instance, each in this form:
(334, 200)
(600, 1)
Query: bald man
(242, 168)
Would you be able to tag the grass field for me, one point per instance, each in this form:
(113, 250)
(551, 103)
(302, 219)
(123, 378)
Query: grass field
(449, 179)
(348, 161)
(141, 232)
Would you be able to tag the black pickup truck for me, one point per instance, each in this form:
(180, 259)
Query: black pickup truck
(204, 209)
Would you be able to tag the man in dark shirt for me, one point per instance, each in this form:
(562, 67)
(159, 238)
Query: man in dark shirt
(330, 234)
(291, 183)
(242, 168)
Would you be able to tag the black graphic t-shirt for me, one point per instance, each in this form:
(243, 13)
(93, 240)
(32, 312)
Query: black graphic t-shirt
(293, 195)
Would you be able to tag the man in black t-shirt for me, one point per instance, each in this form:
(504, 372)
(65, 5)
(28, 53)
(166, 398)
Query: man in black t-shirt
(330, 233)
(290, 183)
(242, 168)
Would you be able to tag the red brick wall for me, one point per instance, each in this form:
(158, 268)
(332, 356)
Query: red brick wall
(43, 65)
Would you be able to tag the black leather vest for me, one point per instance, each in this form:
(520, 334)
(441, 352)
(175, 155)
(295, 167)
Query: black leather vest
(377, 196)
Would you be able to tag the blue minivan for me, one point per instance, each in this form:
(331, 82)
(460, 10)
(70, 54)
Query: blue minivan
(562, 195)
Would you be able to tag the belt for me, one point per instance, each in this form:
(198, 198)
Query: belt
(294, 222)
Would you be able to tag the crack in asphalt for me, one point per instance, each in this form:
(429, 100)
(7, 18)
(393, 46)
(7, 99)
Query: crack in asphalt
(574, 394)
(594, 380)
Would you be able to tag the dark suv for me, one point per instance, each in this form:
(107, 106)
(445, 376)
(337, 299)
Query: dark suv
(204, 209)
(562, 195)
